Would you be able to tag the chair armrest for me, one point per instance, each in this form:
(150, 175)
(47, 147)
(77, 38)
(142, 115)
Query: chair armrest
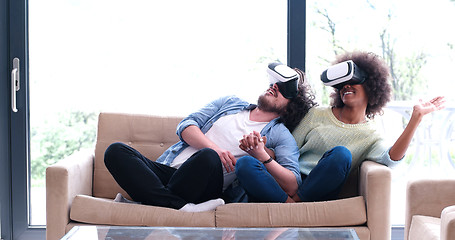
(428, 197)
(375, 186)
(448, 223)
(64, 180)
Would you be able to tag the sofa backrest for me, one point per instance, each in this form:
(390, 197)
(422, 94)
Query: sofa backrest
(150, 135)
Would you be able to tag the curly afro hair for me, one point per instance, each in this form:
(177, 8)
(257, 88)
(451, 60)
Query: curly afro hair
(377, 85)
(299, 106)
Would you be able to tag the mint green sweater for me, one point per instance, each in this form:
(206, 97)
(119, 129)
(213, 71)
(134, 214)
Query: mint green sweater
(320, 131)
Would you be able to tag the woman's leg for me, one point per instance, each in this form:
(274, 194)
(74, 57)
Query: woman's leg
(258, 183)
(200, 178)
(326, 180)
(144, 180)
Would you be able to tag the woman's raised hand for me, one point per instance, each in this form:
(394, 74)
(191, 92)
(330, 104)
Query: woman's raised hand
(423, 108)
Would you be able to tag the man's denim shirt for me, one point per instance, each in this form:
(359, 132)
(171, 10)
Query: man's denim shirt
(279, 139)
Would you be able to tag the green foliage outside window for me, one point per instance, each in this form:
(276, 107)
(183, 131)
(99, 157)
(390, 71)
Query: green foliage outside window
(54, 140)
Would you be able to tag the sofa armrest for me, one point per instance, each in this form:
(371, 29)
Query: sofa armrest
(428, 197)
(64, 180)
(375, 186)
(448, 223)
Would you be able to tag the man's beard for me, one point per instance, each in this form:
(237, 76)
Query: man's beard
(267, 106)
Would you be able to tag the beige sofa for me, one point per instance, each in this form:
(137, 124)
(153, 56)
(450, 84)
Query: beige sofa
(430, 209)
(79, 191)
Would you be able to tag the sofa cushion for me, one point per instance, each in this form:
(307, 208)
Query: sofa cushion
(424, 228)
(343, 212)
(150, 135)
(87, 209)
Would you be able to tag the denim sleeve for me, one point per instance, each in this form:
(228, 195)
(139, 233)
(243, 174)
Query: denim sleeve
(286, 150)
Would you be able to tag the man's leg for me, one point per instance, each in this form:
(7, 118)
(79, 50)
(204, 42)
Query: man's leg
(200, 178)
(144, 180)
(326, 180)
(258, 183)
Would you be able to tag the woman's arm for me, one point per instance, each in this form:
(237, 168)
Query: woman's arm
(421, 109)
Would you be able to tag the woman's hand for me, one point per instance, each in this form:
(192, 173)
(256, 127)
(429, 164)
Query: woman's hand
(423, 108)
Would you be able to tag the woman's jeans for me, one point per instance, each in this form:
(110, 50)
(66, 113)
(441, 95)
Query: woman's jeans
(325, 181)
(258, 183)
(199, 179)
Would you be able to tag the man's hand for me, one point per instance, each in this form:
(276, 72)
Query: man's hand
(254, 144)
(252, 141)
(227, 159)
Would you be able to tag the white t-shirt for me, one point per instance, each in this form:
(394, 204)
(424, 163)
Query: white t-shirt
(226, 132)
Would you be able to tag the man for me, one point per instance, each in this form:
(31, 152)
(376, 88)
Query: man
(189, 175)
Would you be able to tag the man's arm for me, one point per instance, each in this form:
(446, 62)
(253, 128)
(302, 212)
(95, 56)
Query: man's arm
(189, 129)
(285, 178)
(256, 148)
(195, 138)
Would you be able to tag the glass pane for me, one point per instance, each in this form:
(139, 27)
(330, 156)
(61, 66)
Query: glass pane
(139, 56)
(418, 49)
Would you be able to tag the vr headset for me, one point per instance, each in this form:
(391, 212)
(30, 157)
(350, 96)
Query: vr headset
(285, 77)
(343, 73)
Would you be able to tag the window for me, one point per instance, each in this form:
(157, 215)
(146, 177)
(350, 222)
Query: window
(418, 48)
(151, 57)
(156, 57)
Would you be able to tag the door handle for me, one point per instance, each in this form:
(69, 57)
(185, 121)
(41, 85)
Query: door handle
(15, 83)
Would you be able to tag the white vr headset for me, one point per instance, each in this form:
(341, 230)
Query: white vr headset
(285, 77)
(343, 73)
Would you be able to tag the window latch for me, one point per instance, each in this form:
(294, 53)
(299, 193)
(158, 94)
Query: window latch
(15, 83)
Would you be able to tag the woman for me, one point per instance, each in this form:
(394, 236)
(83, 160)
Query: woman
(333, 140)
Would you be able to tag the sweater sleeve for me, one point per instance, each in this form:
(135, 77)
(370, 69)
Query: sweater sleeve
(380, 153)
